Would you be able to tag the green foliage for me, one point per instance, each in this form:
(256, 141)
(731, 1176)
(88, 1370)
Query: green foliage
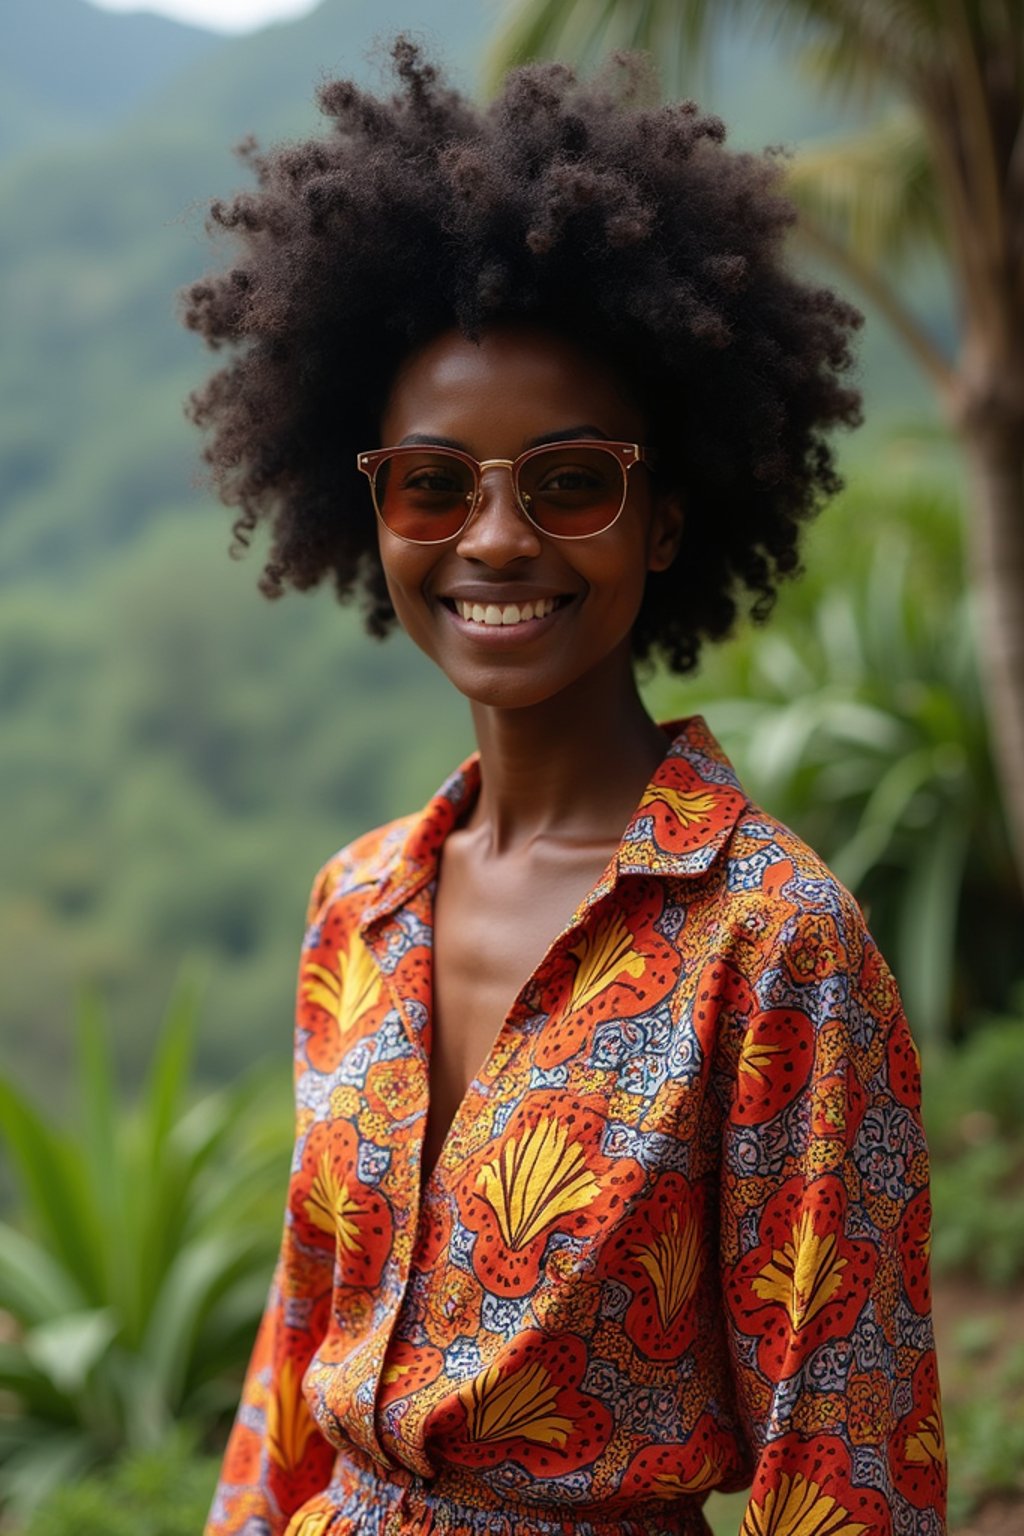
(858, 719)
(972, 1105)
(984, 1420)
(163, 1492)
(724, 1512)
(178, 758)
(134, 1268)
(985, 1442)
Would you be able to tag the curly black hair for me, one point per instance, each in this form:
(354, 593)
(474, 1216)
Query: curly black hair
(575, 205)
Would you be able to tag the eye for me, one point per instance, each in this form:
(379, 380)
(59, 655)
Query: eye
(568, 477)
(434, 480)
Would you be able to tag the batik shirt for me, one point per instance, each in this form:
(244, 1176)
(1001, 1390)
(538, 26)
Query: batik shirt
(677, 1236)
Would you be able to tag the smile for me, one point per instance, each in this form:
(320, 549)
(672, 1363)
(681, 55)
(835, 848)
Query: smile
(501, 615)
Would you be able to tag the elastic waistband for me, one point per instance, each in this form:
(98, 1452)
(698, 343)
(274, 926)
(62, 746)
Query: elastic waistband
(364, 1499)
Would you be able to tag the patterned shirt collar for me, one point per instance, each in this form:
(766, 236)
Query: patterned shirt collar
(684, 818)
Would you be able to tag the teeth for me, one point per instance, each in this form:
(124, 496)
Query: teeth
(506, 613)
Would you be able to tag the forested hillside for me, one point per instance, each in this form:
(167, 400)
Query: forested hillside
(176, 756)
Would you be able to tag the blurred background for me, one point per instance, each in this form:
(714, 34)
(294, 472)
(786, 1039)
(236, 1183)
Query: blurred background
(177, 756)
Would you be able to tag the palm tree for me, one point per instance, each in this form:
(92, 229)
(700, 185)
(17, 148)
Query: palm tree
(943, 169)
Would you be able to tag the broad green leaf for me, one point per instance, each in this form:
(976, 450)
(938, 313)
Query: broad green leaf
(34, 1389)
(57, 1197)
(99, 1117)
(194, 1281)
(168, 1074)
(927, 946)
(67, 1348)
(33, 1285)
(43, 1461)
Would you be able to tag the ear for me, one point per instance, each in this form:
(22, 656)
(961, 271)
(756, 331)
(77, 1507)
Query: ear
(666, 531)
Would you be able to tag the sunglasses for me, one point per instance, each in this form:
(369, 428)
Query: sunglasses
(572, 490)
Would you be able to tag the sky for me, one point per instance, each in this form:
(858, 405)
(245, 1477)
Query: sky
(219, 15)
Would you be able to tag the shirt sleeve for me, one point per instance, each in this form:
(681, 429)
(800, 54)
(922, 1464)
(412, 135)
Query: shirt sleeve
(825, 1223)
(276, 1459)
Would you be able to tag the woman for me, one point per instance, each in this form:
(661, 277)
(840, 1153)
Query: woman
(566, 1253)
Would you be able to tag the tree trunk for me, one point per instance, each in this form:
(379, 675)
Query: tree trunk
(995, 454)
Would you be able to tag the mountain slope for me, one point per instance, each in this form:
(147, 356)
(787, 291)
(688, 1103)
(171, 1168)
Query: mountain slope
(68, 68)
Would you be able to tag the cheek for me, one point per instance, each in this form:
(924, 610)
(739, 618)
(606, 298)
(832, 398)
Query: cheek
(403, 568)
(620, 568)
(407, 569)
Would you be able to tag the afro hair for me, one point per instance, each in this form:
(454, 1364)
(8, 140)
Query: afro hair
(576, 205)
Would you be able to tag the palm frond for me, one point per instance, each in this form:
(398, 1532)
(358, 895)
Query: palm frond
(677, 35)
(874, 191)
(861, 41)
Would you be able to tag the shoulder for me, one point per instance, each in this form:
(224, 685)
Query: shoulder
(359, 866)
(769, 868)
(795, 930)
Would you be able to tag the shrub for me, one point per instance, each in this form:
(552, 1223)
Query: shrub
(135, 1265)
(857, 717)
(972, 1107)
(164, 1492)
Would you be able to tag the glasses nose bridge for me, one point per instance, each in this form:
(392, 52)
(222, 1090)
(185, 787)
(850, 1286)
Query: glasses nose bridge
(498, 538)
(482, 466)
(485, 464)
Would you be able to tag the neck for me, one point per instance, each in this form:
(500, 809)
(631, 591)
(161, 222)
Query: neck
(570, 769)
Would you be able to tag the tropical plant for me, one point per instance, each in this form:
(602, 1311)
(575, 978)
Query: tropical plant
(164, 1492)
(857, 718)
(985, 1437)
(972, 1115)
(940, 171)
(135, 1264)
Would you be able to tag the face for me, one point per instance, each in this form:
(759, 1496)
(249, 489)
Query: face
(494, 399)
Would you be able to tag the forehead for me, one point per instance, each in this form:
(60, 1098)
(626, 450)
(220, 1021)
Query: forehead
(514, 384)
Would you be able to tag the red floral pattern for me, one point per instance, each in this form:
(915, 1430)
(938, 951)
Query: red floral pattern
(677, 1236)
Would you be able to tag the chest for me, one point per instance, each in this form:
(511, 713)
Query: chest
(492, 927)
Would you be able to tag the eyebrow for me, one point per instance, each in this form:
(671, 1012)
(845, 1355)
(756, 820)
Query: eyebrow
(562, 435)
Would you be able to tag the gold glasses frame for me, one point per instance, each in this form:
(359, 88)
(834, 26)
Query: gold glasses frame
(626, 454)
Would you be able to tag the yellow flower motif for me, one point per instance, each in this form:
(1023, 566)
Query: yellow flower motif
(804, 1274)
(797, 1507)
(393, 1373)
(669, 1485)
(316, 1522)
(289, 1421)
(673, 1263)
(349, 992)
(522, 1403)
(756, 1056)
(689, 806)
(330, 1206)
(926, 1443)
(603, 955)
(537, 1176)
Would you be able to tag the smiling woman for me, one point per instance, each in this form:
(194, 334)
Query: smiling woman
(609, 1185)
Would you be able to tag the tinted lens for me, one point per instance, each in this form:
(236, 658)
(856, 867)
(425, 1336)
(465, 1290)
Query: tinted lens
(423, 493)
(572, 492)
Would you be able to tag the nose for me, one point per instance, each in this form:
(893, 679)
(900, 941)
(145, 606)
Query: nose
(498, 531)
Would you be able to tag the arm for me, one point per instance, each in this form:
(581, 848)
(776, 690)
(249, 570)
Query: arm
(824, 1243)
(276, 1457)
